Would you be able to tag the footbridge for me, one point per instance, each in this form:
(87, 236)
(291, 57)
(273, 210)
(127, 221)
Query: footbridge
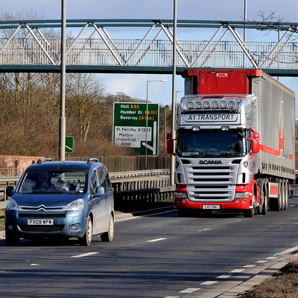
(34, 46)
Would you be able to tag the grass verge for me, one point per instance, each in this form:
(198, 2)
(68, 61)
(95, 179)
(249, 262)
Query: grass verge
(2, 220)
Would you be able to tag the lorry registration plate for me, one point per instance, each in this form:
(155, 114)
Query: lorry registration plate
(40, 222)
(211, 206)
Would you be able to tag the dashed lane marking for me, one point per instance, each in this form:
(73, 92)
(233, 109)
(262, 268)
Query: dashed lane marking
(224, 276)
(85, 255)
(208, 283)
(155, 240)
(249, 266)
(190, 290)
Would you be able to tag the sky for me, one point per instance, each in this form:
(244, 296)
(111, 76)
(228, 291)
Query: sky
(135, 85)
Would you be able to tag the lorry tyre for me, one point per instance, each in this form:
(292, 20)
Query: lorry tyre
(286, 194)
(265, 196)
(261, 205)
(249, 213)
(281, 195)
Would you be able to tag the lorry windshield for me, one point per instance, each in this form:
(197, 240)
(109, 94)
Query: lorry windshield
(211, 143)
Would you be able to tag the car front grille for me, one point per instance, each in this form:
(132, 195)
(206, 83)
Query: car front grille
(41, 229)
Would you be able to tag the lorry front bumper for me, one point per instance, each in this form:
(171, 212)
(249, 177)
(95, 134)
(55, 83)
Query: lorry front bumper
(237, 204)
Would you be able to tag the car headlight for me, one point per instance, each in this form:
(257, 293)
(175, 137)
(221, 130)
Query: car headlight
(12, 205)
(76, 205)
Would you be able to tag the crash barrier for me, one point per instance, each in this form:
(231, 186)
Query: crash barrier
(145, 191)
(131, 189)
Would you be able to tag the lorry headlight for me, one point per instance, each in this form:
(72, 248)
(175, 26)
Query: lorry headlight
(206, 104)
(76, 205)
(189, 105)
(223, 104)
(231, 105)
(198, 105)
(12, 205)
(242, 195)
(214, 104)
(180, 195)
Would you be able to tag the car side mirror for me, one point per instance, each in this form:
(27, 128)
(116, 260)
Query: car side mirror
(9, 191)
(100, 191)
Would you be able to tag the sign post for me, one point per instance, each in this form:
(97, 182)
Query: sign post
(137, 127)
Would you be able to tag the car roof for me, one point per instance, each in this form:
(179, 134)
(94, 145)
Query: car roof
(47, 164)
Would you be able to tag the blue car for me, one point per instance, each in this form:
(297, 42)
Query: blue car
(61, 199)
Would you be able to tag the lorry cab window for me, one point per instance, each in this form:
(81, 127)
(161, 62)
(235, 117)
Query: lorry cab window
(210, 143)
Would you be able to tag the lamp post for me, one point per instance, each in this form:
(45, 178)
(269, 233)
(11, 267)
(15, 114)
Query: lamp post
(162, 81)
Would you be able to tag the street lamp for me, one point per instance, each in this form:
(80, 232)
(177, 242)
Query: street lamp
(162, 81)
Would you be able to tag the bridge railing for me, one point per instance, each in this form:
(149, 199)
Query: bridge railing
(151, 53)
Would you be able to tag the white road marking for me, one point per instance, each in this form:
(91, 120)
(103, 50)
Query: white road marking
(172, 297)
(271, 258)
(155, 240)
(207, 283)
(224, 276)
(288, 251)
(190, 290)
(34, 264)
(85, 255)
(237, 270)
(261, 262)
(249, 266)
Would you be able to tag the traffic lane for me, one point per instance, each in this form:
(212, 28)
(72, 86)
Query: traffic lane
(181, 253)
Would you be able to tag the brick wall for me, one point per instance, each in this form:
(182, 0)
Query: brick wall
(13, 165)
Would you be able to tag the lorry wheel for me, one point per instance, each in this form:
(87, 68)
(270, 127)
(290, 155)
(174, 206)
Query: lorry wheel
(249, 213)
(281, 195)
(286, 188)
(265, 204)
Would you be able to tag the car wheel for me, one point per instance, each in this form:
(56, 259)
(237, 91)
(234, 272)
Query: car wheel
(87, 238)
(12, 239)
(109, 235)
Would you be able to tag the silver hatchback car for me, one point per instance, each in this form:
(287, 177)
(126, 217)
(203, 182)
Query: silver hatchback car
(61, 199)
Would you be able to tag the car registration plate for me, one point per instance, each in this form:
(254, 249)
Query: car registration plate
(40, 222)
(211, 207)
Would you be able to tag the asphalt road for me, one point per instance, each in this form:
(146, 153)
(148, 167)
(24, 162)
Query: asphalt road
(158, 255)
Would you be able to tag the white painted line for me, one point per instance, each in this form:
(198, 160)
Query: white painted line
(271, 258)
(288, 251)
(237, 270)
(190, 290)
(85, 255)
(224, 276)
(155, 240)
(172, 297)
(34, 265)
(261, 261)
(208, 283)
(249, 266)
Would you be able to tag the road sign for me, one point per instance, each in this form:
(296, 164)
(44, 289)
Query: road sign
(68, 144)
(130, 126)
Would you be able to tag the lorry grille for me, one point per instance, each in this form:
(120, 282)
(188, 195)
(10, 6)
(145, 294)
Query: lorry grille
(211, 182)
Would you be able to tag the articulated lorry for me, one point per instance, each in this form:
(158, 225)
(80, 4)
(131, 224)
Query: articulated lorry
(235, 146)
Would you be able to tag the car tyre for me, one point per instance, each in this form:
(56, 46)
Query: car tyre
(12, 239)
(87, 238)
(109, 235)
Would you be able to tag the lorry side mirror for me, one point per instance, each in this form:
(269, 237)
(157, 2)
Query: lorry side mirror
(255, 146)
(169, 136)
(170, 146)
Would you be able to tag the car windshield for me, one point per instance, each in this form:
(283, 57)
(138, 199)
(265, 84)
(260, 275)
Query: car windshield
(53, 182)
(211, 143)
